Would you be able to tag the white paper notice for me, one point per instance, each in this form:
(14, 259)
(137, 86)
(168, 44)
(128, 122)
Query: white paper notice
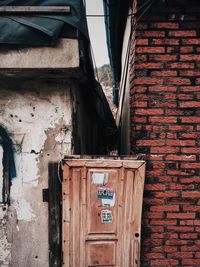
(99, 178)
(108, 202)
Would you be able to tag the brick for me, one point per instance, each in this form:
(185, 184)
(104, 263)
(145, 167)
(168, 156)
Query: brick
(164, 150)
(190, 150)
(166, 179)
(198, 81)
(189, 236)
(182, 255)
(153, 215)
(182, 33)
(181, 128)
(147, 65)
(179, 229)
(150, 143)
(191, 194)
(153, 201)
(164, 263)
(190, 248)
(180, 143)
(163, 119)
(148, 80)
(171, 135)
(186, 49)
(179, 242)
(150, 50)
(180, 187)
(153, 242)
(190, 165)
(164, 25)
(165, 41)
(191, 41)
(142, 41)
(163, 104)
(178, 215)
(189, 88)
(190, 180)
(170, 248)
(157, 229)
(163, 222)
(155, 187)
(139, 120)
(157, 135)
(163, 57)
(190, 119)
(190, 57)
(190, 222)
(189, 73)
(166, 236)
(180, 65)
(189, 104)
(185, 97)
(150, 33)
(177, 172)
(154, 255)
(165, 208)
(157, 88)
(191, 262)
(164, 73)
(141, 104)
(181, 157)
(181, 81)
(149, 111)
(166, 194)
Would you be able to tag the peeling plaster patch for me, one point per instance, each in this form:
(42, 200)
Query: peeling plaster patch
(64, 139)
(5, 249)
(1, 174)
(30, 169)
(5, 246)
(24, 210)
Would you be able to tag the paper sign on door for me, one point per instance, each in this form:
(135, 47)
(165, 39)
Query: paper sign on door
(106, 216)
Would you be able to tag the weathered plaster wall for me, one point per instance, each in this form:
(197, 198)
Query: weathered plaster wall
(38, 117)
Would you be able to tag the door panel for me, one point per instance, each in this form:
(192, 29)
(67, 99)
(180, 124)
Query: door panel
(102, 204)
(95, 207)
(101, 253)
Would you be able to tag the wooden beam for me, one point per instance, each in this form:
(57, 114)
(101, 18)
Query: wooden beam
(36, 10)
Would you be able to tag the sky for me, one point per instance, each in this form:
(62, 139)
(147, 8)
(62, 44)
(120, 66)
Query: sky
(97, 31)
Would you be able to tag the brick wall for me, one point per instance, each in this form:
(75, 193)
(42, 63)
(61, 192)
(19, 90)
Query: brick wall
(165, 126)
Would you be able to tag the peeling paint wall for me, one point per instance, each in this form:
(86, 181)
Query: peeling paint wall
(38, 117)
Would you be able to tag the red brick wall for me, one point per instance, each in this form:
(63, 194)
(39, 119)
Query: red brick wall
(165, 126)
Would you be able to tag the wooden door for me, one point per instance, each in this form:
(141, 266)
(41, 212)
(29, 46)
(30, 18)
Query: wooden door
(102, 205)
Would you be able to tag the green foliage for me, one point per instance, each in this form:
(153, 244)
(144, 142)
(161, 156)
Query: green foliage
(105, 75)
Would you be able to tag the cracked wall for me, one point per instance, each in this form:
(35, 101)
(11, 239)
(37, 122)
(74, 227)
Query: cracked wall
(38, 118)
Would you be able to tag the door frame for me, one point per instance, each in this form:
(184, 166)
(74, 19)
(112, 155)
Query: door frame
(84, 162)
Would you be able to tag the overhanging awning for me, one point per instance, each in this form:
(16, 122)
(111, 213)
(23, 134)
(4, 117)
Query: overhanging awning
(40, 30)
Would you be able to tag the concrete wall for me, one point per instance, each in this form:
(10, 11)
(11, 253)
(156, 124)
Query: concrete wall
(38, 117)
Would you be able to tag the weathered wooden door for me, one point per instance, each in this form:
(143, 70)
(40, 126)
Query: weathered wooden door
(102, 205)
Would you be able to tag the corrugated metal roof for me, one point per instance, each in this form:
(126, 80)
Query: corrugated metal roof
(37, 30)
